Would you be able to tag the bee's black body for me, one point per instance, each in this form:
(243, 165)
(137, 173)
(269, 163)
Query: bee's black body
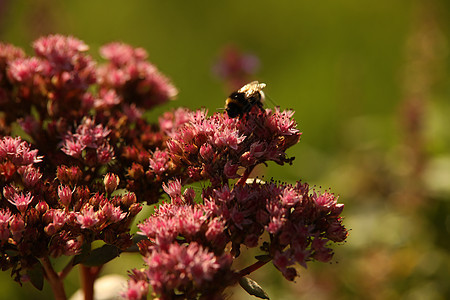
(242, 100)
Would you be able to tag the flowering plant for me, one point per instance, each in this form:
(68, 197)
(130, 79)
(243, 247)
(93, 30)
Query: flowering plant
(84, 160)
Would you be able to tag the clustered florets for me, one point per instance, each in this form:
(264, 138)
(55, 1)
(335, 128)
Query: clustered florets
(90, 159)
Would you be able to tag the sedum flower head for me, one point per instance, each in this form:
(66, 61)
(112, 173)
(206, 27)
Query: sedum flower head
(91, 159)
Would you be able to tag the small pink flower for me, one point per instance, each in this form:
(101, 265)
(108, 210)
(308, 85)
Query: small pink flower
(121, 54)
(112, 213)
(105, 154)
(289, 197)
(61, 51)
(9, 52)
(17, 226)
(173, 188)
(18, 151)
(87, 218)
(72, 147)
(72, 247)
(23, 69)
(136, 290)
(171, 121)
(159, 161)
(207, 152)
(177, 267)
(5, 217)
(132, 112)
(30, 175)
(65, 195)
(21, 201)
(107, 99)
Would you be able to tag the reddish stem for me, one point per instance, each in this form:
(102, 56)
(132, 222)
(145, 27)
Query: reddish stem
(66, 269)
(55, 281)
(252, 268)
(244, 177)
(88, 276)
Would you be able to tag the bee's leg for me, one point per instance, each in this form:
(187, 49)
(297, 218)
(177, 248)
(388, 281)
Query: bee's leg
(261, 108)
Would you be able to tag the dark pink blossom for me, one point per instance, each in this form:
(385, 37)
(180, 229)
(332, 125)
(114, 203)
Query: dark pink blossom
(180, 266)
(61, 51)
(133, 78)
(113, 213)
(21, 201)
(57, 219)
(173, 188)
(171, 121)
(137, 288)
(159, 162)
(65, 195)
(23, 69)
(18, 151)
(88, 218)
(5, 217)
(17, 227)
(30, 175)
(294, 217)
(89, 135)
(9, 52)
(121, 54)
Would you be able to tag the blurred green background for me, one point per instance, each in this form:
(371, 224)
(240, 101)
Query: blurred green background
(370, 84)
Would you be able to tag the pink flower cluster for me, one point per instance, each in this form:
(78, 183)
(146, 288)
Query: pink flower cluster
(185, 248)
(90, 137)
(300, 222)
(40, 218)
(132, 78)
(217, 147)
(93, 159)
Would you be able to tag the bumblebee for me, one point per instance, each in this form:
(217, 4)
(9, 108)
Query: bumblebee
(242, 100)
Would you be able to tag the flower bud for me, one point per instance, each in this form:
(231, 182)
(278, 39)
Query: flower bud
(65, 195)
(111, 181)
(32, 216)
(128, 199)
(136, 171)
(135, 209)
(17, 226)
(206, 152)
(9, 192)
(42, 207)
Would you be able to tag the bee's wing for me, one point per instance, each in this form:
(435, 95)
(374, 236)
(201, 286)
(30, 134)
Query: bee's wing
(252, 88)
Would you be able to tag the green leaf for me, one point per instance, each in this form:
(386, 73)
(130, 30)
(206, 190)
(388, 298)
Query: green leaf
(253, 288)
(136, 239)
(36, 275)
(85, 251)
(101, 256)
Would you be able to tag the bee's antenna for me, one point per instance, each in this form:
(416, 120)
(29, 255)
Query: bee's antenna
(271, 100)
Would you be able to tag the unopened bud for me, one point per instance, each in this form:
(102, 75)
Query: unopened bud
(135, 209)
(128, 199)
(65, 195)
(111, 182)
